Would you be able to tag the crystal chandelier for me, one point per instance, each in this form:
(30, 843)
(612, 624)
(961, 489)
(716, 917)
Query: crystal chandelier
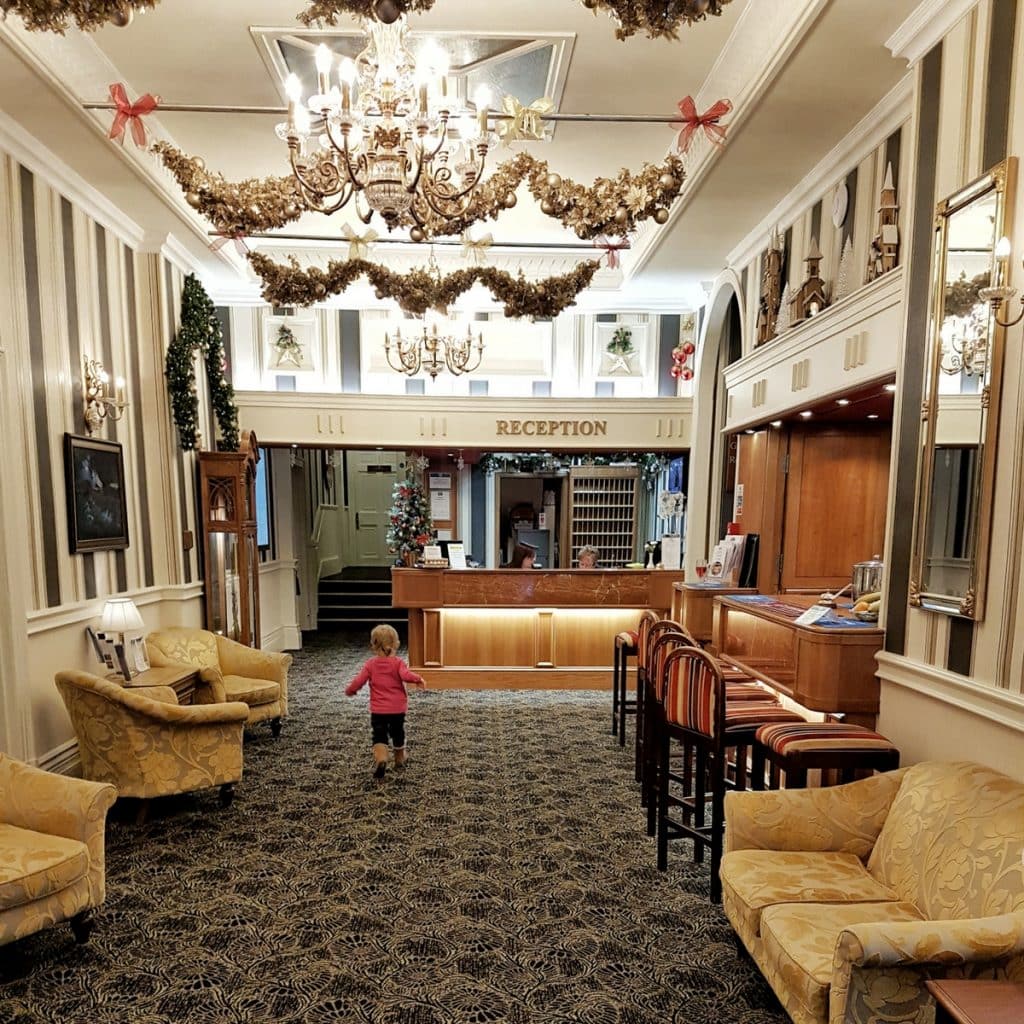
(434, 352)
(388, 131)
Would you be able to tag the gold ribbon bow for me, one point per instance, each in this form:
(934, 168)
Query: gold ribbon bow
(475, 249)
(523, 122)
(358, 245)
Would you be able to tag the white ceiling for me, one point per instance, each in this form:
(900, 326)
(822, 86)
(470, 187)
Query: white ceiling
(801, 72)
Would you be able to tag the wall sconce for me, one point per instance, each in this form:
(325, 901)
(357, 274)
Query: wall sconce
(97, 402)
(1001, 292)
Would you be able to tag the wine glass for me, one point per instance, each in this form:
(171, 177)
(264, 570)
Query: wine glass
(702, 568)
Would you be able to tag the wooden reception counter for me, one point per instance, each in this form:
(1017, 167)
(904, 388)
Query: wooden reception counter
(517, 628)
(827, 668)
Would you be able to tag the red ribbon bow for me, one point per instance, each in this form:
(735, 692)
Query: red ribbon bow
(611, 250)
(709, 121)
(132, 113)
(223, 237)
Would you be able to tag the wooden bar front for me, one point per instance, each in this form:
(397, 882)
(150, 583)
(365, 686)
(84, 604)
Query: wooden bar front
(527, 628)
(828, 669)
(693, 608)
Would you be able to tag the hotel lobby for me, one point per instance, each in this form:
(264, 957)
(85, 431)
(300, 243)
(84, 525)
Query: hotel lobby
(319, 315)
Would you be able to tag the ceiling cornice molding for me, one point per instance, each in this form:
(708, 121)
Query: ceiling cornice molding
(878, 124)
(758, 49)
(49, 167)
(930, 23)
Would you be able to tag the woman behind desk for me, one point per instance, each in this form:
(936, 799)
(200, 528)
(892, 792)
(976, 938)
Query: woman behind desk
(588, 557)
(522, 557)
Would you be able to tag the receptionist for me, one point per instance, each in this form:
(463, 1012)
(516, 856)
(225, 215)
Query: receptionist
(588, 557)
(523, 557)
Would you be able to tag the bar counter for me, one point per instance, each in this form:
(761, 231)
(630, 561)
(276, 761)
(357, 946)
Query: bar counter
(523, 628)
(828, 668)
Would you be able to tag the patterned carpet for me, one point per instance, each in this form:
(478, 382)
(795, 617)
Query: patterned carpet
(505, 877)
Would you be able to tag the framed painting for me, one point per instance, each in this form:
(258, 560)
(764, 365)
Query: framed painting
(97, 508)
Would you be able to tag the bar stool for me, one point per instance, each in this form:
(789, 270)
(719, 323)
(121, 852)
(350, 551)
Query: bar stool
(626, 647)
(696, 712)
(649, 624)
(795, 749)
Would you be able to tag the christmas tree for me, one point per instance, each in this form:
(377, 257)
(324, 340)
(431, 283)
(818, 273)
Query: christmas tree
(410, 524)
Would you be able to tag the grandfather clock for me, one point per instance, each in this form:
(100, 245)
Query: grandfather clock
(227, 489)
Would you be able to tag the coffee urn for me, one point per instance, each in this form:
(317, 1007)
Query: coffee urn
(867, 577)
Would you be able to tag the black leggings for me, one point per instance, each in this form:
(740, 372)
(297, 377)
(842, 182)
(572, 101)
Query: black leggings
(387, 727)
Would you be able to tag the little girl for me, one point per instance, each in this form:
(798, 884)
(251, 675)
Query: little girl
(387, 676)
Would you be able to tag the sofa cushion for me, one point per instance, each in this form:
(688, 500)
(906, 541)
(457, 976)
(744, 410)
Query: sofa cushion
(953, 841)
(251, 691)
(34, 866)
(182, 646)
(755, 879)
(798, 942)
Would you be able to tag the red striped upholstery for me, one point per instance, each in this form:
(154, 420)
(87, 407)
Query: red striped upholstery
(744, 714)
(694, 691)
(628, 638)
(789, 738)
(647, 620)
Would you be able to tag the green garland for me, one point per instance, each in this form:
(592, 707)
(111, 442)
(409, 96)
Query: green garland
(651, 464)
(199, 330)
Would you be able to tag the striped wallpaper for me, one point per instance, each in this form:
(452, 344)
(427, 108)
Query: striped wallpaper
(81, 292)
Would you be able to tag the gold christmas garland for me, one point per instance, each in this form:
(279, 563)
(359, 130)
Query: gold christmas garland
(658, 18)
(611, 206)
(420, 290)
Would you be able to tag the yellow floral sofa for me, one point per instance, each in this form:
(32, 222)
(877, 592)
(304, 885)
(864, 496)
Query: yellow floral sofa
(145, 744)
(51, 850)
(849, 898)
(256, 678)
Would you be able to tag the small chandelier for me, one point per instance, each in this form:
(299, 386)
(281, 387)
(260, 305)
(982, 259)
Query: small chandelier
(434, 352)
(966, 351)
(387, 131)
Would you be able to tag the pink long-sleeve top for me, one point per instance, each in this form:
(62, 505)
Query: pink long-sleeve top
(387, 678)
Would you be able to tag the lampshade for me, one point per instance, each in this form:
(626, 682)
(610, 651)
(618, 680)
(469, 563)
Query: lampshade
(120, 616)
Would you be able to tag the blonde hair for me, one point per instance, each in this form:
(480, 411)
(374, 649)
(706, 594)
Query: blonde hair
(384, 640)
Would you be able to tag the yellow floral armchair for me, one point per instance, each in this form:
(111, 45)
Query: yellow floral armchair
(850, 898)
(256, 678)
(51, 850)
(145, 744)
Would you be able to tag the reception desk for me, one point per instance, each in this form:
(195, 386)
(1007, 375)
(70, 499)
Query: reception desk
(828, 668)
(520, 628)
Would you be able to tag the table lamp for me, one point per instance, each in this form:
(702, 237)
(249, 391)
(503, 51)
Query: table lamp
(120, 616)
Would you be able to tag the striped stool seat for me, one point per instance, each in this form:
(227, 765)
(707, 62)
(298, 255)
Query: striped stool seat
(744, 716)
(795, 748)
(749, 691)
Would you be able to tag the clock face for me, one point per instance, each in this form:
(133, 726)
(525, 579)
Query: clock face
(840, 202)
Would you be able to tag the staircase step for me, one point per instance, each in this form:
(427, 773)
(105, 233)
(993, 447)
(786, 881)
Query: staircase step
(355, 600)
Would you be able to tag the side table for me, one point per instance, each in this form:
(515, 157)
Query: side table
(967, 1001)
(183, 679)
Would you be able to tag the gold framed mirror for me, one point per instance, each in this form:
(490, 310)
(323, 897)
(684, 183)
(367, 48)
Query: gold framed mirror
(960, 409)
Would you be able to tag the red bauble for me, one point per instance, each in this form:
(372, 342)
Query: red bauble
(678, 356)
(688, 348)
(676, 372)
(687, 373)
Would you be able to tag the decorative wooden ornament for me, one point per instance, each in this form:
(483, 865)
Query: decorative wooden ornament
(884, 254)
(810, 298)
(771, 289)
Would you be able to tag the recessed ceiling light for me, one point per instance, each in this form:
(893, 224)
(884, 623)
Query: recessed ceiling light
(776, 423)
(842, 401)
(749, 431)
(295, 446)
(872, 415)
(890, 387)
(807, 414)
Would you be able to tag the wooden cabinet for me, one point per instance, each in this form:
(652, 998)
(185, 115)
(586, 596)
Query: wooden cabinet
(227, 493)
(603, 512)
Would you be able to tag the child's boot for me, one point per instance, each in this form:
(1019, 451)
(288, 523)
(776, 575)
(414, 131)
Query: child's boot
(400, 758)
(380, 760)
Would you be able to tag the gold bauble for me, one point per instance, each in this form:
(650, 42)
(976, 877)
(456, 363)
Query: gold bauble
(622, 215)
(510, 200)
(192, 198)
(661, 215)
(320, 289)
(122, 17)
(554, 181)
(547, 207)
(666, 181)
(387, 11)
(416, 234)
(379, 293)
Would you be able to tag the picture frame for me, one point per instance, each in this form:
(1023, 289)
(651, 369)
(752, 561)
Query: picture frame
(95, 490)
